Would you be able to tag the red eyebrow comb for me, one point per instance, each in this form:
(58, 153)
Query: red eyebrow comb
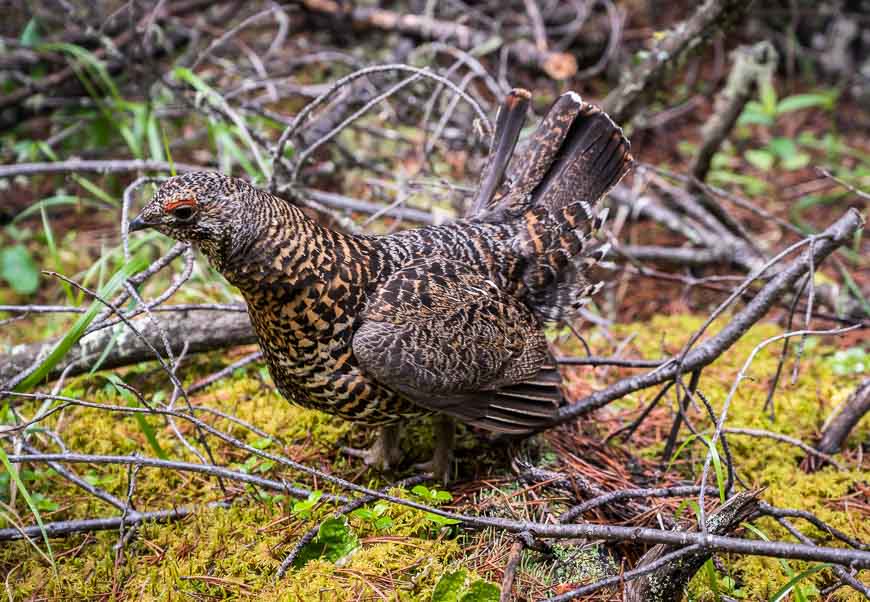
(176, 203)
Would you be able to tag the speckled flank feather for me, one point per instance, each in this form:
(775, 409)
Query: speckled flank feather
(446, 318)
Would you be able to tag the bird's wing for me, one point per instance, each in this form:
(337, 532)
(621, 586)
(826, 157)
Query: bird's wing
(451, 341)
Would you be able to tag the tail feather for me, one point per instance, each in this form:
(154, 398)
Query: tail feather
(509, 123)
(530, 168)
(576, 155)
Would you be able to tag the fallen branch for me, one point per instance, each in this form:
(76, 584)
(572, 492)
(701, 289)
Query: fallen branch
(751, 64)
(836, 430)
(199, 330)
(558, 65)
(625, 100)
(99, 166)
(706, 541)
(668, 582)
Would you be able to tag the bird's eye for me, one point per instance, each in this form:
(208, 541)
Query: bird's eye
(183, 213)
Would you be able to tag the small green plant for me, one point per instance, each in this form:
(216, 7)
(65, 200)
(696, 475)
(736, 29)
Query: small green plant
(304, 508)
(334, 541)
(376, 516)
(769, 108)
(767, 111)
(434, 497)
(854, 360)
(19, 270)
(458, 587)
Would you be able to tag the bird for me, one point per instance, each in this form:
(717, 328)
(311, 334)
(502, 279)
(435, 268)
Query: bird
(445, 320)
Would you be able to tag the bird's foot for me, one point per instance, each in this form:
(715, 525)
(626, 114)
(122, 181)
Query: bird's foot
(439, 464)
(384, 454)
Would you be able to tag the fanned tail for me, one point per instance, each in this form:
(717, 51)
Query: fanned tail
(551, 186)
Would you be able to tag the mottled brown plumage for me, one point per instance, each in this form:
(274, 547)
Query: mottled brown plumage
(446, 318)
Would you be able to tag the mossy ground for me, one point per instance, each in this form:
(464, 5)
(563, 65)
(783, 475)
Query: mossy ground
(800, 410)
(234, 552)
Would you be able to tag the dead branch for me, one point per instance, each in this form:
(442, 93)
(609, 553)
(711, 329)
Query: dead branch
(93, 166)
(668, 582)
(837, 429)
(785, 439)
(707, 542)
(62, 528)
(558, 65)
(198, 330)
(751, 64)
(625, 100)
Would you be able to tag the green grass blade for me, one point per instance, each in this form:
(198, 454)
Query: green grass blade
(679, 451)
(13, 472)
(712, 578)
(52, 249)
(75, 333)
(165, 139)
(52, 201)
(717, 466)
(794, 581)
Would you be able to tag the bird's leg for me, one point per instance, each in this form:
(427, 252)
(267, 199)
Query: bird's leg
(384, 452)
(439, 465)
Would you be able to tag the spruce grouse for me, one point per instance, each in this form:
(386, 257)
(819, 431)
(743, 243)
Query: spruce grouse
(446, 319)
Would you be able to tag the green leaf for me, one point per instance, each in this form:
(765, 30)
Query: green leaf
(712, 578)
(304, 507)
(481, 591)
(449, 586)
(441, 520)
(420, 490)
(798, 102)
(30, 36)
(717, 467)
(854, 360)
(767, 94)
(334, 541)
(261, 443)
(45, 504)
(760, 159)
(752, 185)
(754, 114)
(19, 270)
(784, 148)
(799, 161)
(78, 328)
(364, 514)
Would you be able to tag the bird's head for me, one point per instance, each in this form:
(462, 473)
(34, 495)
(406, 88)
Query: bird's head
(207, 209)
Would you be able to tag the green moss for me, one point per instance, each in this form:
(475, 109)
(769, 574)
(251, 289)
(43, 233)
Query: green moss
(232, 552)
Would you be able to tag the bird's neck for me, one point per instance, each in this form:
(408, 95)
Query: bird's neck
(280, 247)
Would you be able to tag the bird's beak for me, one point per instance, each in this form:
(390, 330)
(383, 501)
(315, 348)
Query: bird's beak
(139, 224)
